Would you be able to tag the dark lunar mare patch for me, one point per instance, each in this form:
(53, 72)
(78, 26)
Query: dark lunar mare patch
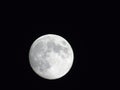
(56, 47)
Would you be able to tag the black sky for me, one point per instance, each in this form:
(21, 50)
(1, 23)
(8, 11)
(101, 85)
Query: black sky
(77, 37)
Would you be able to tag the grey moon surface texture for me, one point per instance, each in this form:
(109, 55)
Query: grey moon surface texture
(51, 56)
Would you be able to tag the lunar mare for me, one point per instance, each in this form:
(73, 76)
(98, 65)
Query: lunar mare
(51, 56)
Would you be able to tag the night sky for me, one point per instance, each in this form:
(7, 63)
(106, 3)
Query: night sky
(77, 37)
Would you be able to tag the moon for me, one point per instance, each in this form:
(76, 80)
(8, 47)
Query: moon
(51, 56)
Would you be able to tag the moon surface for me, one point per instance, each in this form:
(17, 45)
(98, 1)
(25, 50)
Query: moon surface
(51, 56)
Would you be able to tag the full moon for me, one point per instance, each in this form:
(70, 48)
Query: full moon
(51, 56)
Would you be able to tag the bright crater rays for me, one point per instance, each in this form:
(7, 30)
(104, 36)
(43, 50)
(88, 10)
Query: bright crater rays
(51, 56)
